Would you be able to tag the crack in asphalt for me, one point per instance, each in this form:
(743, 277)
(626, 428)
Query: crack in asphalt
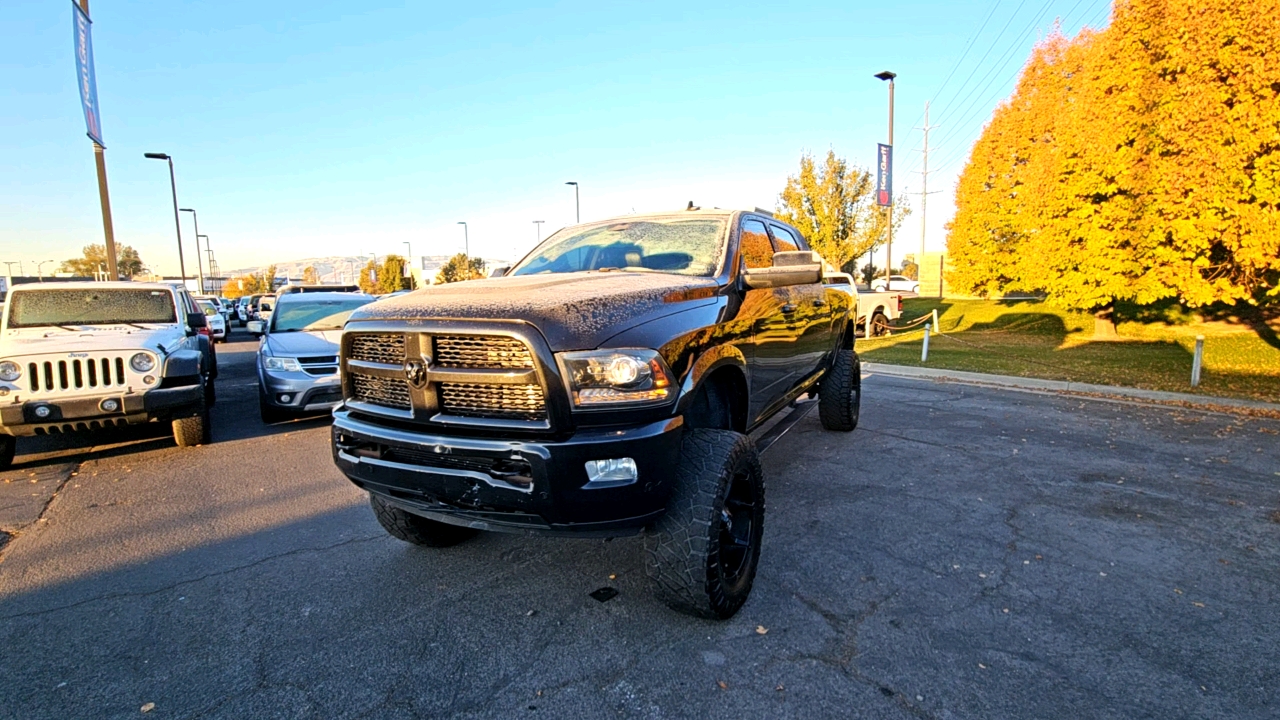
(180, 583)
(7, 536)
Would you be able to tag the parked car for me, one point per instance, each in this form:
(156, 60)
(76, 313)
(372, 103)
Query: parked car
(298, 357)
(605, 385)
(262, 310)
(898, 283)
(291, 289)
(881, 307)
(217, 324)
(243, 310)
(78, 356)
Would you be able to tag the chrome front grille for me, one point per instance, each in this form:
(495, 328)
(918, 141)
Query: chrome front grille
(489, 352)
(388, 392)
(386, 348)
(76, 374)
(515, 402)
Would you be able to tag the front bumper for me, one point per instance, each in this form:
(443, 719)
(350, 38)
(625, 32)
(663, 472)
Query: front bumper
(453, 479)
(85, 412)
(307, 393)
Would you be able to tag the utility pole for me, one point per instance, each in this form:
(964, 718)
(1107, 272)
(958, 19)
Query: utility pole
(104, 197)
(10, 263)
(924, 191)
(888, 247)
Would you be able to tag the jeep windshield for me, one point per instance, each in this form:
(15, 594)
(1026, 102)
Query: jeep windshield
(314, 315)
(90, 306)
(680, 245)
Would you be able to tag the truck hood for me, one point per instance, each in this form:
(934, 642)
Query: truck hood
(303, 344)
(88, 338)
(574, 311)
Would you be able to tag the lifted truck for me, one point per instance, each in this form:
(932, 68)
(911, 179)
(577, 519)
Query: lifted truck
(605, 385)
(80, 356)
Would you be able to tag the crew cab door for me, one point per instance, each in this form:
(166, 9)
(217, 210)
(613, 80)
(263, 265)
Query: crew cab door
(812, 316)
(775, 345)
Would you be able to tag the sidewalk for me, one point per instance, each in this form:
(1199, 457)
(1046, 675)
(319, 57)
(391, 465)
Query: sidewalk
(1036, 384)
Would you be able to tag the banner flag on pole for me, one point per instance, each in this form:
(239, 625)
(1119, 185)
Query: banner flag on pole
(85, 77)
(884, 175)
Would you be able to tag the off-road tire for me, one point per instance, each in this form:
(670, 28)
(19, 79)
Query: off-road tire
(684, 549)
(879, 325)
(415, 529)
(840, 398)
(8, 447)
(194, 430)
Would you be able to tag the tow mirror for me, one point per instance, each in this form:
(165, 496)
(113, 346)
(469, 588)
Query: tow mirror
(195, 321)
(256, 327)
(794, 267)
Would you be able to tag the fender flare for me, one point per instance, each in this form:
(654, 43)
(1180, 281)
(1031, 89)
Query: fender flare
(707, 363)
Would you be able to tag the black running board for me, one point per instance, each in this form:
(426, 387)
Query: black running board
(795, 414)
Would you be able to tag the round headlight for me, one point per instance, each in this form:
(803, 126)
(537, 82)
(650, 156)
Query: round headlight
(142, 362)
(10, 371)
(624, 370)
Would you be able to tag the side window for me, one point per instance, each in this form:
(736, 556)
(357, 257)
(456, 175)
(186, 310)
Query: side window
(756, 250)
(783, 239)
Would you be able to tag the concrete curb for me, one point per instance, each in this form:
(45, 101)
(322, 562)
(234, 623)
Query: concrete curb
(1022, 383)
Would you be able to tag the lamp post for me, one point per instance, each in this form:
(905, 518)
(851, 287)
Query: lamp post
(173, 185)
(577, 203)
(210, 253)
(199, 266)
(538, 224)
(466, 238)
(888, 246)
(10, 263)
(39, 272)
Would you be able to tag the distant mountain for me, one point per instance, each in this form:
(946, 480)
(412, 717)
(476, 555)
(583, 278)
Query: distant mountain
(341, 269)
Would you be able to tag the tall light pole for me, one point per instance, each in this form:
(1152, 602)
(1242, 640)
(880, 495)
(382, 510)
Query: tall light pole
(888, 247)
(209, 252)
(577, 203)
(173, 185)
(466, 238)
(39, 271)
(10, 263)
(538, 224)
(199, 266)
(100, 160)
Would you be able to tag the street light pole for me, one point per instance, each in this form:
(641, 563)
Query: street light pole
(577, 203)
(466, 238)
(104, 197)
(199, 266)
(888, 247)
(538, 223)
(9, 266)
(39, 271)
(173, 185)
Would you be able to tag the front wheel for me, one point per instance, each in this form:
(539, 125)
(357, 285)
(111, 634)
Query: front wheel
(8, 448)
(702, 554)
(415, 529)
(194, 430)
(840, 399)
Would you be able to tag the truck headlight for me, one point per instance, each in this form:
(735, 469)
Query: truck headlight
(598, 378)
(10, 371)
(142, 362)
(282, 364)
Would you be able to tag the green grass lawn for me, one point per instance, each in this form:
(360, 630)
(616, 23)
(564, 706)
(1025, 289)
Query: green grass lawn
(1032, 339)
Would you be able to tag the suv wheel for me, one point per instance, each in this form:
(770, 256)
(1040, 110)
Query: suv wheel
(702, 554)
(194, 430)
(840, 397)
(416, 529)
(8, 447)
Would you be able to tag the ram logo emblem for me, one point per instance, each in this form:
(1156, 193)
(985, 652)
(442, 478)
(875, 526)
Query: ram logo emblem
(416, 372)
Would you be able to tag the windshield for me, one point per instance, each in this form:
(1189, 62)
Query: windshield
(208, 307)
(313, 315)
(90, 306)
(681, 245)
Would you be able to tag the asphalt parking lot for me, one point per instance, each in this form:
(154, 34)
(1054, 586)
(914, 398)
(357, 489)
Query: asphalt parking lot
(966, 553)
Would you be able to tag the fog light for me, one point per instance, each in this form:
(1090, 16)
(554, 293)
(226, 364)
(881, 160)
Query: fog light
(286, 397)
(43, 411)
(109, 405)
(611, 473)
(149, 380)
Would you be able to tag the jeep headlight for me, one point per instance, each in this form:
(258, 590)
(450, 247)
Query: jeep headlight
(10, 371)
(600, 378)
(282, 364)
(142, 362)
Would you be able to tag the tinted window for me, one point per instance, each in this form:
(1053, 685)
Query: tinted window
(783, 239)
(756, 250)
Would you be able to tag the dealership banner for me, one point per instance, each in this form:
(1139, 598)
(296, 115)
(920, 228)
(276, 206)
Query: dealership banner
(85, 77)
(884, 175)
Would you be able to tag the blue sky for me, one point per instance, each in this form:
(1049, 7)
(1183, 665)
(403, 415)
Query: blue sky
(318, 128)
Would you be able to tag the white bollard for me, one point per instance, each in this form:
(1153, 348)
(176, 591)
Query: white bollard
(924, 349)
(936, 326)
(1197, 361)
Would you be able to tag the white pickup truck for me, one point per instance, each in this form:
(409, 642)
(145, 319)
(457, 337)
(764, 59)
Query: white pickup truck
(881, 307)
(80, 356)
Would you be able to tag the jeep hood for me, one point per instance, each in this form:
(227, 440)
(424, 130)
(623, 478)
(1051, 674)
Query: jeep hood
(88, 338)
(574, 311)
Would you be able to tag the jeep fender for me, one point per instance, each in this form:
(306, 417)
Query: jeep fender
(183, 363)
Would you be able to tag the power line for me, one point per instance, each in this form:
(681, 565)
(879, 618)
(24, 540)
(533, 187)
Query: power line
(963, 55)
(984, 55)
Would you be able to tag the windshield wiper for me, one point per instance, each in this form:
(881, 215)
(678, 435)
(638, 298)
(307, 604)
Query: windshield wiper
(126, 322)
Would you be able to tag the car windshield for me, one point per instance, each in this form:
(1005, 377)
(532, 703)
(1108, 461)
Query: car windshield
(90, 306)
(314, 315)
(681, 245)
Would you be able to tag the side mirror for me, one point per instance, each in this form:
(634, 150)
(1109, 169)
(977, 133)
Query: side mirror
(500, 271)
(797, 267)
(256, 328)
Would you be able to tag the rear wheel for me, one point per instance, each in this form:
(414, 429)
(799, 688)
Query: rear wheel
(194, 430)
(416, 529)
(8, 447)
(702, 554)
(879, 325)
(840, 398)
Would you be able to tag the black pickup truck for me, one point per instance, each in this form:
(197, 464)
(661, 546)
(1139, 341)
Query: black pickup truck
(604, 385)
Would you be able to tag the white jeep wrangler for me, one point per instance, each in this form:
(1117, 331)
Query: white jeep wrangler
(87, 355)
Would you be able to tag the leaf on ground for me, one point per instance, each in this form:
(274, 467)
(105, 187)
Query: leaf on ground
(1198, 604)
(761, 630)
(148, 707)
(723, 685)
(780, 688)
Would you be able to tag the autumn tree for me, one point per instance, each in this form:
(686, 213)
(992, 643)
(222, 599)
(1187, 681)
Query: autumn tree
(833, 206)
(310, 276)
(387, 277)
(95, 261)
(261, 283)
(460, 267)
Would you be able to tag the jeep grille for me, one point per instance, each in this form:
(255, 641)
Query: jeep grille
(76, 374)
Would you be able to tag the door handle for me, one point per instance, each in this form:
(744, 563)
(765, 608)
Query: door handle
(789, 308)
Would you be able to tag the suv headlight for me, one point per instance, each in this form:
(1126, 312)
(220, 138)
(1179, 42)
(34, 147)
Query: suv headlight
(142, 362)
(283, 364)
(601, 378)
(10, 371)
